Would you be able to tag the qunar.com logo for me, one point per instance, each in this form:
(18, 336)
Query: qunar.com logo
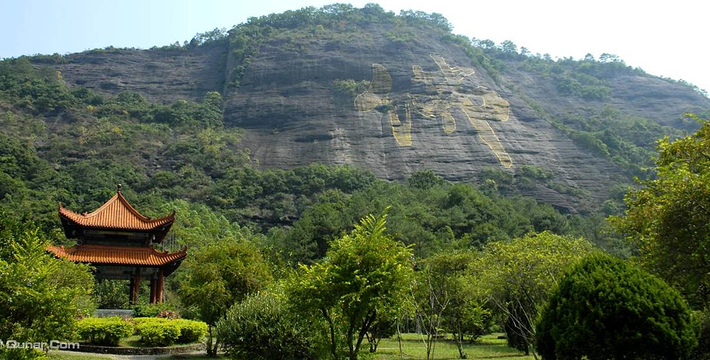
(44, 346)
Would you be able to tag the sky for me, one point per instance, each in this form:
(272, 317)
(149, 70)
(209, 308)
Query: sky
(664, 38)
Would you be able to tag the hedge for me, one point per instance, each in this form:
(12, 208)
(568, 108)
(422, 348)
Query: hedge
(104, 331)
(157, 332)
(190, 331)
(165, 332)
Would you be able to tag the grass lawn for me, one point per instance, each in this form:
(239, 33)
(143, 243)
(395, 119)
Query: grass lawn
(487, 347)
(58, 356)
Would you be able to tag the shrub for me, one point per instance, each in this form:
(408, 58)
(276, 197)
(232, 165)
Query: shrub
(261, 328)
(606, 308)
(104, 331)
(142, 320)
(158, 332)
(190, 331)
(350, 87)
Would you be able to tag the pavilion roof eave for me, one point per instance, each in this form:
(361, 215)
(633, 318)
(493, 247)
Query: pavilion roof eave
(118, 255)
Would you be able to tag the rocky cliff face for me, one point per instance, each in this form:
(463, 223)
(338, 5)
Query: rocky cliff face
(394, 100)
(158, 75)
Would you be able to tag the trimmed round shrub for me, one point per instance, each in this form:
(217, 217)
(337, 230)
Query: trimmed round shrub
(605, 308)
(190, 331)
(260, 328)
(157, 332)
(104, 331)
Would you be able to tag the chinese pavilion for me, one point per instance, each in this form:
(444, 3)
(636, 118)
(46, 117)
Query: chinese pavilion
(119, 243)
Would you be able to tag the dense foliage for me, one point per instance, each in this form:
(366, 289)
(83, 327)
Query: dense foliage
(158, 332)
(667, 217)
(40, 296)
(606, 308)
(364, 273)
(446, 296)
(432, 218)
(261, 327)
(468, 313)
(104, 331)
(190, 330)
(220, 275)
(521, 274)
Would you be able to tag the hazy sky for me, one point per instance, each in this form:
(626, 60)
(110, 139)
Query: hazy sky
(666, 38)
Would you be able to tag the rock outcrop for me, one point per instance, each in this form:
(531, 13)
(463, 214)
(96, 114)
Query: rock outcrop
(368, 99)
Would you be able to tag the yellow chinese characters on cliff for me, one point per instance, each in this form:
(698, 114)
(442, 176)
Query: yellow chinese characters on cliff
(446, 97)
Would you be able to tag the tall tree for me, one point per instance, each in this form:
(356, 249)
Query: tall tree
(446, 296)
(668, 217)
(364, 273)
(522, 273)
(218, 276)
(40, 296)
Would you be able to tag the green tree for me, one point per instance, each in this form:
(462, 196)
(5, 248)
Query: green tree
(467, 313)
(364, 273)
(605, 308)
(445, 296)
(40, 297)
(220, 274)
(425, 179)
(668, 217)
(521, 274)
(509, 48)
(430, 298)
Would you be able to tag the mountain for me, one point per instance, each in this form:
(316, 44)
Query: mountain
(397, 94)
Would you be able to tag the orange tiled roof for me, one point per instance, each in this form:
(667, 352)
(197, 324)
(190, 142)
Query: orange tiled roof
(116, 213)
(116, 255)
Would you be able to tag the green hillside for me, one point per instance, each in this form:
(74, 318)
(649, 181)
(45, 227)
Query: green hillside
(64, 142)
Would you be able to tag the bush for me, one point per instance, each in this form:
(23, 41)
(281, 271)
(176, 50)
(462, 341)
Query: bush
(142, 320)
(158, 332)
(261, 328)
(190, 331)
(606, 308)
(104, 331)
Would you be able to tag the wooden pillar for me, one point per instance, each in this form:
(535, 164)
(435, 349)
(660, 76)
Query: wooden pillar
(161, 282)
(130, 290)
(136, 286)
(153, 288)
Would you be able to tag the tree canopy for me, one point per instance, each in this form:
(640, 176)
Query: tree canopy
(364, 273)
(667, 216)
(521, 274)
(40, 297)
(605, 308)
(219, 275)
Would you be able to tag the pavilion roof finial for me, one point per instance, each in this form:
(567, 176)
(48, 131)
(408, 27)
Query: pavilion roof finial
(118, 188)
